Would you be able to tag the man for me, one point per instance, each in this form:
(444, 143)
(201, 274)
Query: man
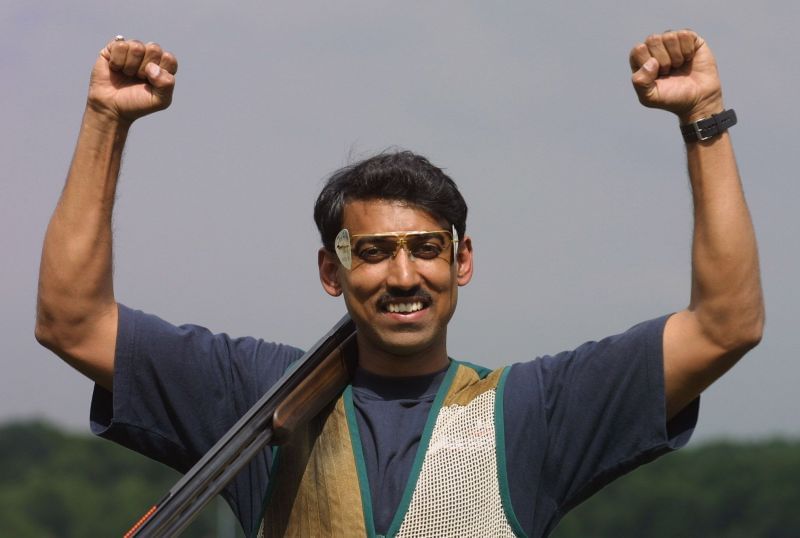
(418, 444)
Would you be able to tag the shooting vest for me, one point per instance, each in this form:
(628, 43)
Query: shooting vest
(457, 485)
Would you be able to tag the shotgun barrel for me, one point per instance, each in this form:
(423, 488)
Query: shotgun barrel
(310, 384)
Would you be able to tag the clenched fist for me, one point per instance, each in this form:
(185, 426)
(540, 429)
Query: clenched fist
(131, 79)
(676, 71)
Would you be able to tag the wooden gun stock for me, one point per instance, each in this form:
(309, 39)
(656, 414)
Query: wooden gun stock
(315, 391)
(310, 384)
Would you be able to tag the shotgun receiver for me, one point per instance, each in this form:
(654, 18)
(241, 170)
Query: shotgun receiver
(309, 384)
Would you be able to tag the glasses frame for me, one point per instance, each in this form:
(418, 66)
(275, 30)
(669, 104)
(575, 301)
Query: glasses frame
(343, 244)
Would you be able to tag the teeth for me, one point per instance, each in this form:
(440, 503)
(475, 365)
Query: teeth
(405, 307)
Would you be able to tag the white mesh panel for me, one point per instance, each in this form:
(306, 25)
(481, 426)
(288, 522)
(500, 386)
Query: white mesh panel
(457, 493)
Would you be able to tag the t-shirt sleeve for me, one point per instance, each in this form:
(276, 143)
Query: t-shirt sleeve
(177, 390)
(591, 415)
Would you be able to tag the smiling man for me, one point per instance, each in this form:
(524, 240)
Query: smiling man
(396, 263)
(418, 444)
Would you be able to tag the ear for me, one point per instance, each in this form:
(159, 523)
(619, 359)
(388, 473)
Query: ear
(464, 261)
(329, 272)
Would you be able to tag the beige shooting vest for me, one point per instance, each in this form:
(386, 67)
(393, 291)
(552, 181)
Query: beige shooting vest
(457, 485)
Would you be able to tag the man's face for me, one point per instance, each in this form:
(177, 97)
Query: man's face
(402, 304)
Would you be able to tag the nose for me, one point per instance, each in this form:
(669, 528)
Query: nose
(402, 272)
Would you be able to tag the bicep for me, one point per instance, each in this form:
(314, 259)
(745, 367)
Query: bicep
(91, 345)
(692, 360)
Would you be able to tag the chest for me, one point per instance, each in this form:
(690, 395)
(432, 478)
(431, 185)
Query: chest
(364, 470)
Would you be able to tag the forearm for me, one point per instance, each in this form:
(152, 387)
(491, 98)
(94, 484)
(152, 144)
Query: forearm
(676, 71)
(75, 279)
(726, 290)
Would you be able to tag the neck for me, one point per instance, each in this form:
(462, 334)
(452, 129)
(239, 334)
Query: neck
(390, 364)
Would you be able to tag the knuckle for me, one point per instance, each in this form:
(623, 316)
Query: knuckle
(153, 48)
(152, 57)
(169, 62)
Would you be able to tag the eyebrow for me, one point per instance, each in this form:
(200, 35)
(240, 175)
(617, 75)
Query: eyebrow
(372, 239)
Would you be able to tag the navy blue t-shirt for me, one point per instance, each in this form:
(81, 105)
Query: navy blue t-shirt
(573, 421)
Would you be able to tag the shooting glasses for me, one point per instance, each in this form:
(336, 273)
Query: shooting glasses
(376, 248)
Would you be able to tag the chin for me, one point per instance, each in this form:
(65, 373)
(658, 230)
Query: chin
(402, 344)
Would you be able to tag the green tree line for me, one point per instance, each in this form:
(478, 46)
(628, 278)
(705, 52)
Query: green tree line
(59, 484)
(55, 484)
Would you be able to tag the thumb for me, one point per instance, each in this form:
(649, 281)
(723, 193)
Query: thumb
(644, 80)
(162, 81)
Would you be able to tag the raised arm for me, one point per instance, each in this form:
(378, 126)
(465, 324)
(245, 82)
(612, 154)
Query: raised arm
(676, 71)
(76, 310)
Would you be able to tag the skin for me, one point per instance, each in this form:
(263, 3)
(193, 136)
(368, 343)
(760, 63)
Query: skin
(676, 71)
(398, 344)
(76, 310)
(673, 71)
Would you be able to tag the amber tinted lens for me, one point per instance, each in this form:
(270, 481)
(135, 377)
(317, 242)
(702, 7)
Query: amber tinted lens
(419, 245)
(428, 246)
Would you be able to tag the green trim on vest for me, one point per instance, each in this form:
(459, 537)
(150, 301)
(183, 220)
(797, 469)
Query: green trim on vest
(316, 483)
(502, 470)
(422, 449)
(482, 371)
(276, 456)
(361, 467)
(318, 475)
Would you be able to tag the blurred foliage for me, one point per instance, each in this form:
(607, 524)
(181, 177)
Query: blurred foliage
(716, 490)
(55, 484)
(58, 484)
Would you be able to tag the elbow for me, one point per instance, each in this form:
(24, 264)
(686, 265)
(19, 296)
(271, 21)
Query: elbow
(42, 335)
(43, 330)
(732, 331)
(743, 333)
(46, 333)
(63, 322)
(47, 322)
(55, 331)
(752, 330)
(746, 341)
(754, 333)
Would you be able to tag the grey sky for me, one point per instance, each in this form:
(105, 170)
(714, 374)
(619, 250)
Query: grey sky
(579, 204)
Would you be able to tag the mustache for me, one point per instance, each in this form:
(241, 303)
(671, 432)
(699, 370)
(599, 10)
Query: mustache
(394, 296)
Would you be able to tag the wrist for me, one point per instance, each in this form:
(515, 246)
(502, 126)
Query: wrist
(102, 119)
(708, 128)
(701, 111)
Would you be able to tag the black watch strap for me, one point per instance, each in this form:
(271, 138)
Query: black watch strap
(709, 127)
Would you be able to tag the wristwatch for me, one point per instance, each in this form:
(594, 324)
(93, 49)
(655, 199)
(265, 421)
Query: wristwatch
(709, 127)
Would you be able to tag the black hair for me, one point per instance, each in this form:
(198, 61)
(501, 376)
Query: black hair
(400, 176)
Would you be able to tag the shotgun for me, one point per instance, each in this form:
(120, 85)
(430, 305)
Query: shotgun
(312, 382)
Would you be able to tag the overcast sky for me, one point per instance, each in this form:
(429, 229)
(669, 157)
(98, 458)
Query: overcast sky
(580, 210)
